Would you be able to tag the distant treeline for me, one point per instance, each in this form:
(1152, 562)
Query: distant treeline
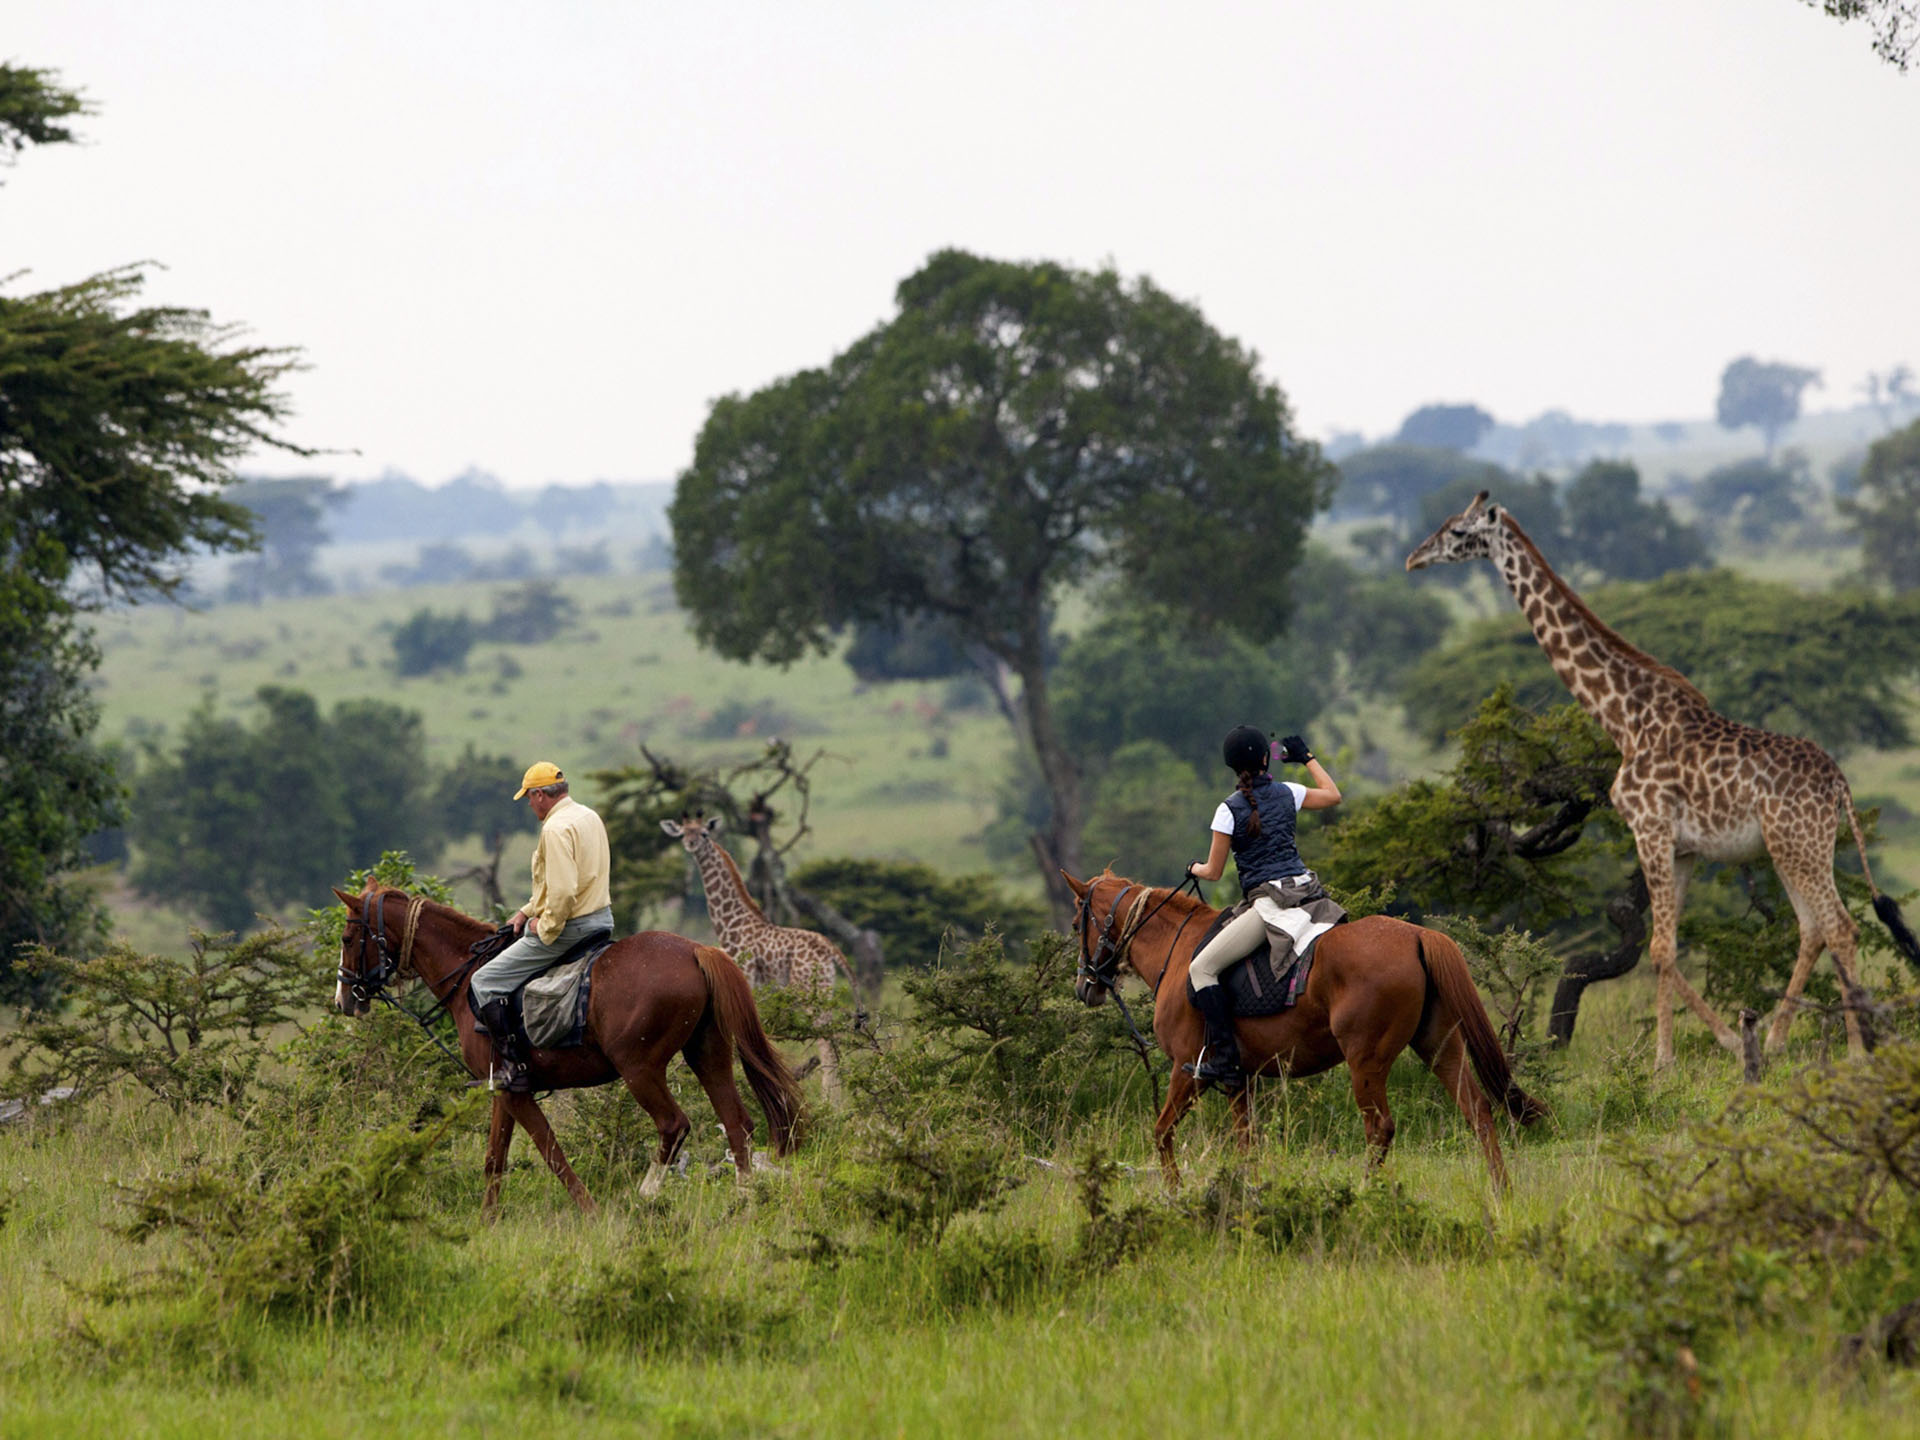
(566, 529)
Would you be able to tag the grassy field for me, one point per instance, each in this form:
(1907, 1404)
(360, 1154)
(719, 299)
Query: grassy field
(785, 1312)
(792, 1310)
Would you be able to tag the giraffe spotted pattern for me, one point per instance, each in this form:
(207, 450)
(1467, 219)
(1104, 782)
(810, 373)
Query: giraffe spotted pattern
(1692, 783)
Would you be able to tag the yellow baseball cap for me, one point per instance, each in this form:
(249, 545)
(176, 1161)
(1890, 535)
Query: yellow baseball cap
(540, 773)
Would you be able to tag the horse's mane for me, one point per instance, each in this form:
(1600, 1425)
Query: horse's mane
(1174, 898)
(430, 906)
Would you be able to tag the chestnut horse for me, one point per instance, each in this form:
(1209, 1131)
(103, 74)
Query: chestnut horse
(653, 993)
(1377, 986)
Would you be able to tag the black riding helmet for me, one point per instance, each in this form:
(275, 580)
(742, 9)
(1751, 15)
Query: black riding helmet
(1245, 748)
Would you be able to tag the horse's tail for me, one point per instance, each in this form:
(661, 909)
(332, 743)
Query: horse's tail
(739, 1022)
(1883, 905)
(1447, 972)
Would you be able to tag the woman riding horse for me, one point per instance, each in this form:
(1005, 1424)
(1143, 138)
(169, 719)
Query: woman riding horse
(1257, 822)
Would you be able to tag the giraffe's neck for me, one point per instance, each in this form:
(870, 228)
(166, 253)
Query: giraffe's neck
(731, 909)
(1626, 690)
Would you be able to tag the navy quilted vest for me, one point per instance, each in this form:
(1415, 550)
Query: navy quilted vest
(1271, 854)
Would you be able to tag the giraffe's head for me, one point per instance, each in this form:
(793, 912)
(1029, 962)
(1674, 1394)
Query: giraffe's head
(1467, 536)
(691, 832)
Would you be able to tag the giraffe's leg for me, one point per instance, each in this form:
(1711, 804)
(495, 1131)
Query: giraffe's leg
(1824, 922)
(1656, 863)
(830, 1072)
(1667, 876)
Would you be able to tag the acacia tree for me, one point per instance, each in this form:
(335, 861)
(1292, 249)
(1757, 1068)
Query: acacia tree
(1764, 394)
(1015, 430)
(119, 427)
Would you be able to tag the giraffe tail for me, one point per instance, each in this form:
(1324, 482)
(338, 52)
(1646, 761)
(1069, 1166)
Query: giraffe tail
(1883, 905)
(739, 1021)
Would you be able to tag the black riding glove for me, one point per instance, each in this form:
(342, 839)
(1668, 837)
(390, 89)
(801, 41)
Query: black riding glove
(1294, 751)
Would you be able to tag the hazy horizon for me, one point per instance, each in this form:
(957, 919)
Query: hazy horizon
(542, 243)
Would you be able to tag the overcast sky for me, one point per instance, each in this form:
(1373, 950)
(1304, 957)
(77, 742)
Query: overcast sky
(541, 238)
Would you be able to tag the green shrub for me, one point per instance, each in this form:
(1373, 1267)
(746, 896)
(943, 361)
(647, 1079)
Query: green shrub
(643, 1299)
(915, 908)
(189, 1030)
(1016, 1035)
(316, 1243)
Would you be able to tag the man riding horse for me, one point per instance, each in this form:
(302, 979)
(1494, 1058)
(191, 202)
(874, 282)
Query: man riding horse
(571, 901)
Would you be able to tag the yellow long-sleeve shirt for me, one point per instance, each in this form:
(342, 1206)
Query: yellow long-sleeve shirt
(570, 868)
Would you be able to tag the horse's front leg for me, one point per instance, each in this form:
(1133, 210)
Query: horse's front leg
(534, 1119)
(499, 1138)
(1182, 1091)
(1243, 1114)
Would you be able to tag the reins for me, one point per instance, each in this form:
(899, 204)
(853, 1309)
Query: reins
(1104, 968)
(370, 983)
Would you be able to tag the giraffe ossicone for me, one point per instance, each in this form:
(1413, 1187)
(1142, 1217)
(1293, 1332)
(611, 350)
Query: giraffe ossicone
(1692, 784)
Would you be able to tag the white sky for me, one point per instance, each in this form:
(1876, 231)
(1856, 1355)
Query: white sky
(541, 238)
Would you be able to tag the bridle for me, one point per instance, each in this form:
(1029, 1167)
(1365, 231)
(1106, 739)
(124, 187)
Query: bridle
(370, 981)
(1100, 963)
(379, 966)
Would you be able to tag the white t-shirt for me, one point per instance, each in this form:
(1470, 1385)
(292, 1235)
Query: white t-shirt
(1223, 817)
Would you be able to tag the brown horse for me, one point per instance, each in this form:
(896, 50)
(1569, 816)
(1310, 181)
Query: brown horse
(653, 993)
(1377, 986)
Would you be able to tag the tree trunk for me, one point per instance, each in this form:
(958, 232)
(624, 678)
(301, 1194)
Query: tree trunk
(1057, 846)
(1628, 913)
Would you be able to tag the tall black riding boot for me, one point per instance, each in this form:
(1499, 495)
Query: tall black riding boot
(509, 1072)
(1220, 1061)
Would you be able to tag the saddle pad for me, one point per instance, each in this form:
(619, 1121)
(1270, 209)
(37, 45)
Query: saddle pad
(553, 1005)
(1274, 977)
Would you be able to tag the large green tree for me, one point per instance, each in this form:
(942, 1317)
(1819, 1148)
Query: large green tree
(241, 819)
(1013, 431)
(1886, 509)
(1617, 535)
(120, 424)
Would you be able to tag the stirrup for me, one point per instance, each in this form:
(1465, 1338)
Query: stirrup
(1230, 1080)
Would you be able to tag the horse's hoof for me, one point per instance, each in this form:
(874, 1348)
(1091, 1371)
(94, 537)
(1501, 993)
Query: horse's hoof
(656, 1177)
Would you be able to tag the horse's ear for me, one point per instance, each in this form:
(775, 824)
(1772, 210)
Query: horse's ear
(1079, 887)
(716, 825)
(345, 899)
(672, 827)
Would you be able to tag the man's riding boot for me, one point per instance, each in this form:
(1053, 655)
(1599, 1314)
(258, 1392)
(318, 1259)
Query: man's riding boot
(509, 1071)
(1219, 1062)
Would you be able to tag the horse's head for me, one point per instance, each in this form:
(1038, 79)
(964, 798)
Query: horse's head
(367, 959)
(1467, 536)
(691, 832)
(1097, 922)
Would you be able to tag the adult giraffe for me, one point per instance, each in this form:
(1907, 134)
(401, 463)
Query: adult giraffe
(1692, 784)
(782, 956)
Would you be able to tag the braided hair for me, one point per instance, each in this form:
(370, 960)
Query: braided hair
(1247, 755)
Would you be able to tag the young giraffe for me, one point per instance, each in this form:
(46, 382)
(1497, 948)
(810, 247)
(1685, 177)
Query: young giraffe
(776, 955)
(1692, 784)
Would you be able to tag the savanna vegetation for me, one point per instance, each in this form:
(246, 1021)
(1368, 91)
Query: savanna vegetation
(964, 598)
